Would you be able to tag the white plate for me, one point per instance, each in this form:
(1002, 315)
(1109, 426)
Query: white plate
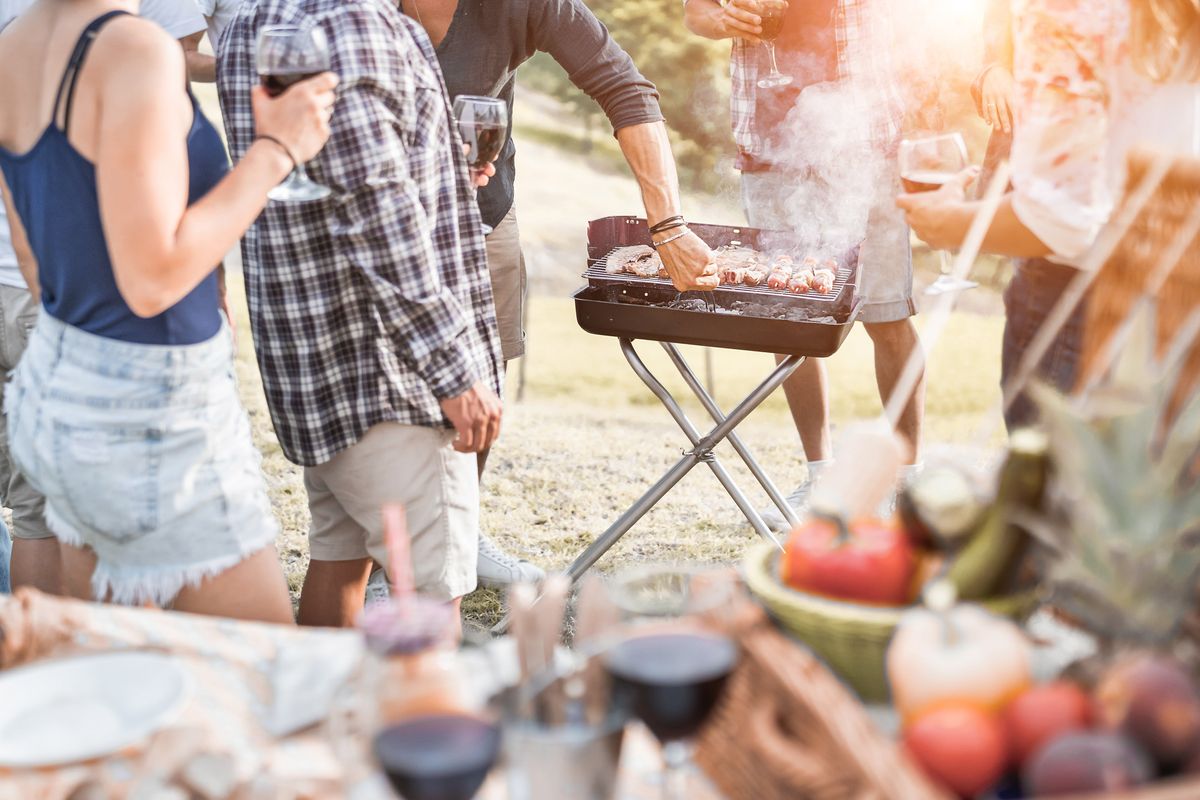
(76, 709)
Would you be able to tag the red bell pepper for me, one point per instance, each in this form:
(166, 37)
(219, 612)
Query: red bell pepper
(869, 561)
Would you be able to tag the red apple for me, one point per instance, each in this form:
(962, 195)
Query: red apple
(1043, 713)
(960, 746)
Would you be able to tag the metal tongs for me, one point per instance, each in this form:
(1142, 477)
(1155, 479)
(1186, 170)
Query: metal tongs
(710, 302)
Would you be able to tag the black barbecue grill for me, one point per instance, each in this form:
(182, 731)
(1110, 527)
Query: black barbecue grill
(738, 317)
(755, 318)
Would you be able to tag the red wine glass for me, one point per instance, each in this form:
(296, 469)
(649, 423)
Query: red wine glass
(671, 666)
(927, 164)
(772, 12)
(288, 54)
(483, 125)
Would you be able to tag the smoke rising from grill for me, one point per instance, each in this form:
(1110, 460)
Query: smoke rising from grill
(930, 49)
(839, 174)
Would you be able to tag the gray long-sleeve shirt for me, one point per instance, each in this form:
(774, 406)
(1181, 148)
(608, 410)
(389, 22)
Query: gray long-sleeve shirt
(488, 40)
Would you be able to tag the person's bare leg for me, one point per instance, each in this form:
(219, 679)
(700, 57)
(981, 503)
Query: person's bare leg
(894, 343)
(807, 392)
(78, 564)
(332, 596)
(37, 563)
(252, 589)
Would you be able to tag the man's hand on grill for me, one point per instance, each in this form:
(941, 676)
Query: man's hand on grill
(690, 263)
(475, 415)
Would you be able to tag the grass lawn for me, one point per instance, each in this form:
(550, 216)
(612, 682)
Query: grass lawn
(588, 438)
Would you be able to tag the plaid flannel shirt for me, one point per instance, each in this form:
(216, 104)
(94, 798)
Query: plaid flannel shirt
(375, 303)
(862, 30)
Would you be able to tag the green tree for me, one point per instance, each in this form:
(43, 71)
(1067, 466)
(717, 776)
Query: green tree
(692, 76)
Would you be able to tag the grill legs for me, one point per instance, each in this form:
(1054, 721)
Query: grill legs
(701, 452)
(710, 405)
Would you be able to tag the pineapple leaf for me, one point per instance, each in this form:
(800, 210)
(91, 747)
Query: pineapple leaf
(1124, 503)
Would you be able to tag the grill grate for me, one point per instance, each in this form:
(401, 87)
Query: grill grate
(597, 276)
(630, 307)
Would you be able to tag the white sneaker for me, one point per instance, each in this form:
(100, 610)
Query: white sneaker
(497, 569)
(378, 590)
(908, 473)
(798, 500)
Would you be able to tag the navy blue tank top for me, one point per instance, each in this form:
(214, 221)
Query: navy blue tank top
(54, 190)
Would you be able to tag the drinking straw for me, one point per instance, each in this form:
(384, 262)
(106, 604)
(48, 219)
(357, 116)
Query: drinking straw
(399, 551)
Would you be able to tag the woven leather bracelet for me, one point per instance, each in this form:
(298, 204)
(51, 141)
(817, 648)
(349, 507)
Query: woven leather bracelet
(663, 224)
(671, 227)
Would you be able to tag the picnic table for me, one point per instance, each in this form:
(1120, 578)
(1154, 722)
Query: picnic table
(247, 680)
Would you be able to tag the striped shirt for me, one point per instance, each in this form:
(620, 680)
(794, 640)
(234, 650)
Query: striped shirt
(374, 304)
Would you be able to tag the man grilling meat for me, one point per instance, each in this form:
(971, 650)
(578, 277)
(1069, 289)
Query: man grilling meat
(836, 81)
(480, 44)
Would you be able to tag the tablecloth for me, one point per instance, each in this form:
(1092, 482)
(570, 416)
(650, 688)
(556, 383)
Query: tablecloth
(221, 736)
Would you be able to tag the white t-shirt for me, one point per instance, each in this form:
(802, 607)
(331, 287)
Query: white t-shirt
(179, 18)
(219, 14)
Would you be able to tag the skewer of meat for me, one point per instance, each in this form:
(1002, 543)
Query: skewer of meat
(800, 282)
(755, 276)
(822, 281)
(780, 271)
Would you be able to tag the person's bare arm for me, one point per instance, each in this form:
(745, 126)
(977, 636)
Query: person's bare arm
(201, 67)
(736, 19)
(20, 242)
(648, 152)
(162, 248)
(998, 34)
(942, 218)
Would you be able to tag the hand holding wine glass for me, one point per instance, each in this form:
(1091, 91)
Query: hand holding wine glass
(299, 118)
(483, 125)
(287, 56)
(483, 176)
(771, 13)
(929, 162)
(741, 18)
(926, 165)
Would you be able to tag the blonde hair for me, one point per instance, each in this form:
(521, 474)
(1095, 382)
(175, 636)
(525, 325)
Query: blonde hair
(1166, 39)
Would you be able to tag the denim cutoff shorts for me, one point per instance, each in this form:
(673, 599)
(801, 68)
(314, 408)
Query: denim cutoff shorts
(143, 453)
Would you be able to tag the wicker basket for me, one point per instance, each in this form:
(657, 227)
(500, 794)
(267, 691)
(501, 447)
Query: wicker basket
(851, 638)
(787, 729)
